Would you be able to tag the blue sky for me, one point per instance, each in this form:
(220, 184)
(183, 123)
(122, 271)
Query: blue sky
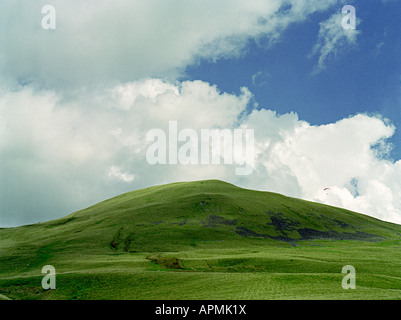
(78, 99)
(364, 78)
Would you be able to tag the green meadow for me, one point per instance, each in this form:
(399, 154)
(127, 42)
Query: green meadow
(203, 240)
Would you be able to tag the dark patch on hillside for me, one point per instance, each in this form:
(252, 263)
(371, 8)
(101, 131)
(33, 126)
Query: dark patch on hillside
(181, 223)
(343, 225)
(214, 221)
(281, 222)
(284, 224)
(124, 243)
(311, 234)
(247, 233)
(128, 242)
(168, 263)
(116, 240)
(209, 208)
(334, 222)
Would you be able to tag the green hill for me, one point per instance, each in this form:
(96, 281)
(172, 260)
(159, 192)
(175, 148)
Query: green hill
(194, 233)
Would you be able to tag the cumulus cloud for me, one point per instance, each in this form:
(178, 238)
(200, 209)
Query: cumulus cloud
(60, 157)
(99, 41)
(301, 160)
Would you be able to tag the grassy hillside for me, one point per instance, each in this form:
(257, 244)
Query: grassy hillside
(203, 240)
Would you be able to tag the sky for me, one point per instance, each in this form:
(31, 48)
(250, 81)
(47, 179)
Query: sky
(83, 84)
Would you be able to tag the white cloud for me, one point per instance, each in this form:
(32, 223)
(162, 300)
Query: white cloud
(60, 157)
(101, 41)
(115, 172)
(260, 79)
(301, 160)
(332, 40)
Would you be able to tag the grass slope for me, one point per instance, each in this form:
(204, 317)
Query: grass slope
(203, 240)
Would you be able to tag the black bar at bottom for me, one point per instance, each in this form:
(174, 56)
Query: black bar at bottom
(195, 309)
